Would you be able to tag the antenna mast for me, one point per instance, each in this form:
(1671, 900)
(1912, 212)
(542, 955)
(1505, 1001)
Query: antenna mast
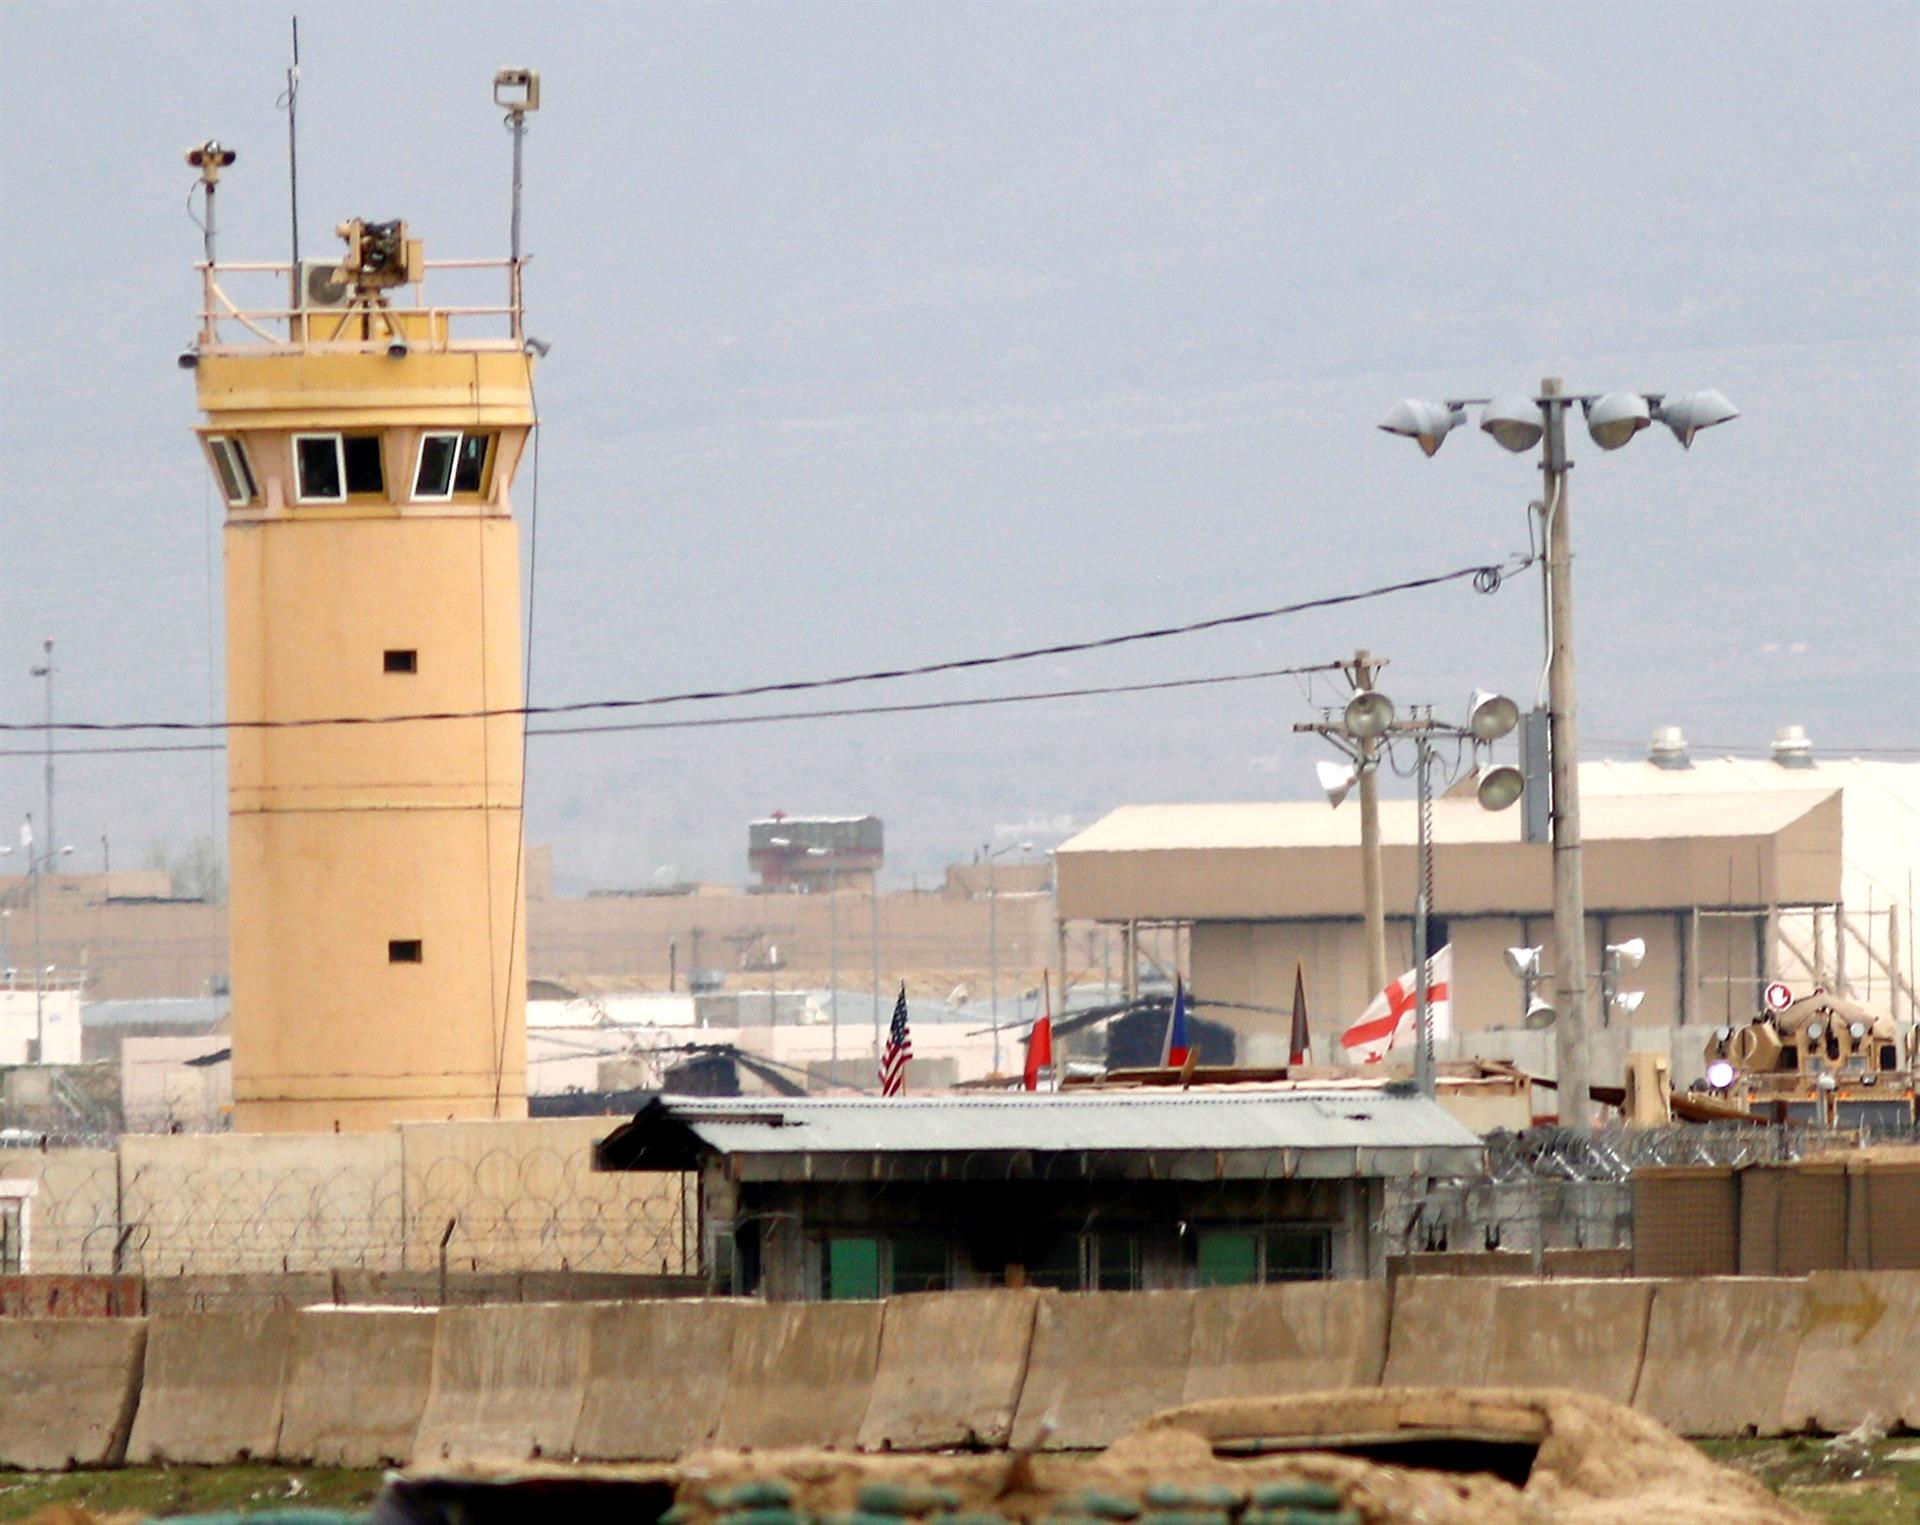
(291, 97)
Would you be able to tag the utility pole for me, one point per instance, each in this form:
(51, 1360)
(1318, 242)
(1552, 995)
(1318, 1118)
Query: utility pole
(1361, 674)
(993, 956)
(1569, 894)
(45, 670)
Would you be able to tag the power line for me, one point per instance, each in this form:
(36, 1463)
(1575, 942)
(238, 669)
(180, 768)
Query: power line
(1485, 577)
(845, 712)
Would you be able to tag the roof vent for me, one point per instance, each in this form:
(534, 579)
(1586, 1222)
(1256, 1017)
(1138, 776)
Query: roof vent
(1791, 749)
(1668, 749)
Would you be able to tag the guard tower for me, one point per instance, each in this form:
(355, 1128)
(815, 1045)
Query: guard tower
(365, 442)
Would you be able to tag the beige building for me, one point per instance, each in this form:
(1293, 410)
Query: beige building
(1720, 885)
(365, 452)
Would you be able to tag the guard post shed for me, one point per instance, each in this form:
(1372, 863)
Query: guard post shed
(806, 1199)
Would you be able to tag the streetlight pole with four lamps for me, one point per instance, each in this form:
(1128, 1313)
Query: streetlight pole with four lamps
(1517, 422)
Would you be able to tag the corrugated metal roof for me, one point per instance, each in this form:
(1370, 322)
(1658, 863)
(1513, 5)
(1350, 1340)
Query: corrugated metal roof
(1292, 824)
(1135, 1121)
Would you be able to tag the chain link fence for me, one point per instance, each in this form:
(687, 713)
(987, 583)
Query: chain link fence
(1557, 1189)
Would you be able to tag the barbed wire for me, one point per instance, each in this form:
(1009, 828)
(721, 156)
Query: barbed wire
(509, 1210)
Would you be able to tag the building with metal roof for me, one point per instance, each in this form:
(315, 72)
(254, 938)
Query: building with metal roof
(849, 1198)
(1259, 888)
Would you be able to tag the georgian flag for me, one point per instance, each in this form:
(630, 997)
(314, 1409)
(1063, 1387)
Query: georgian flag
(1388, 1022)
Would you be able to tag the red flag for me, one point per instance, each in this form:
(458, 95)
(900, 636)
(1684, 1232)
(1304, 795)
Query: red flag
(1300, 1045)
(1040, 1040)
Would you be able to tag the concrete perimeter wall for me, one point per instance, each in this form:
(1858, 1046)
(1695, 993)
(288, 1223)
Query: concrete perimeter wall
(654, 1380)
(520, 1195)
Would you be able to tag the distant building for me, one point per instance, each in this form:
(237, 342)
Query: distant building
(816, 852)
(1733, 873)
(818, 1200)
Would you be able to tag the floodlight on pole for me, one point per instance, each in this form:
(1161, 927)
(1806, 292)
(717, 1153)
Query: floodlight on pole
(1368, 721)
(1491, 716)
(1336, 779)
(1426, 423)
(1524, 962)
(1500, 787)
(1614, 419)
(1359, 770)
(1690, 412)
(1627, 955)
(1368, 714)
(1513, 419)
(1540, 1015)
(1627, 1002)
(1518, 423)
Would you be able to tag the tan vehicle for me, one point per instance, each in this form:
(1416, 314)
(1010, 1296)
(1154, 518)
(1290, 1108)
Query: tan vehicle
(1820, 1059)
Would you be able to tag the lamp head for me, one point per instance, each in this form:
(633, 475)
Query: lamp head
(1627, 1002)
(1513, 419)
(1427, 423)
(1540, 1015)
(1336, 779)
(1500, 786)
(1627, 955)
(1691, 412)
(1368, 714)
(1720, 1074)
(1614, 419)
(1524, 962)
(1491, 716)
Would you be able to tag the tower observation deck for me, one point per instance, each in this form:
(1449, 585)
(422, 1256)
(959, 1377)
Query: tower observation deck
(365, 443)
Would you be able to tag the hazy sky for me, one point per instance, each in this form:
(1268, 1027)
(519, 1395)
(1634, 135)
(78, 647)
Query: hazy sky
(897, 333)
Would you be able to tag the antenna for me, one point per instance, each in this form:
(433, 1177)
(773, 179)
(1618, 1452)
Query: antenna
(517, 91)
(290, 99)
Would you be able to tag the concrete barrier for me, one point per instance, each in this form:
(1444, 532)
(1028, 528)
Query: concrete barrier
(656, 1378)
(509, 1382)
(1720, 1352)
(68, 1390)
(1859, 1353)
(71, 1297)
(242, 1290)
(357, 1385)
(1442, 1332)
(1251, 1342)
(1102, 1362)
(951, 1368)
(213, 1386)
(801, 1374)
(1585, 1335)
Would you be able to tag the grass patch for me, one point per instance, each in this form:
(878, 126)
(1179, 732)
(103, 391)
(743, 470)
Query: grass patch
(157, 1492)
(1838, 1482)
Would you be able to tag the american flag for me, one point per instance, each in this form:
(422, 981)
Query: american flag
(893, 1062)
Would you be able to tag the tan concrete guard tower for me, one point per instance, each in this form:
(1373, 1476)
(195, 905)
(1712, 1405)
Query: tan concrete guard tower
(364, 443)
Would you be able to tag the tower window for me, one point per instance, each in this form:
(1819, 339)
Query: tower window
(451, 463)
(231, 466)
(319, 470)
(403, 950)
(470, 470)
(363, 464)
(402, 661)
(331, 467)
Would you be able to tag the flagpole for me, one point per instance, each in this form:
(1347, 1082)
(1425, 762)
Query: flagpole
(1423, 1016)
